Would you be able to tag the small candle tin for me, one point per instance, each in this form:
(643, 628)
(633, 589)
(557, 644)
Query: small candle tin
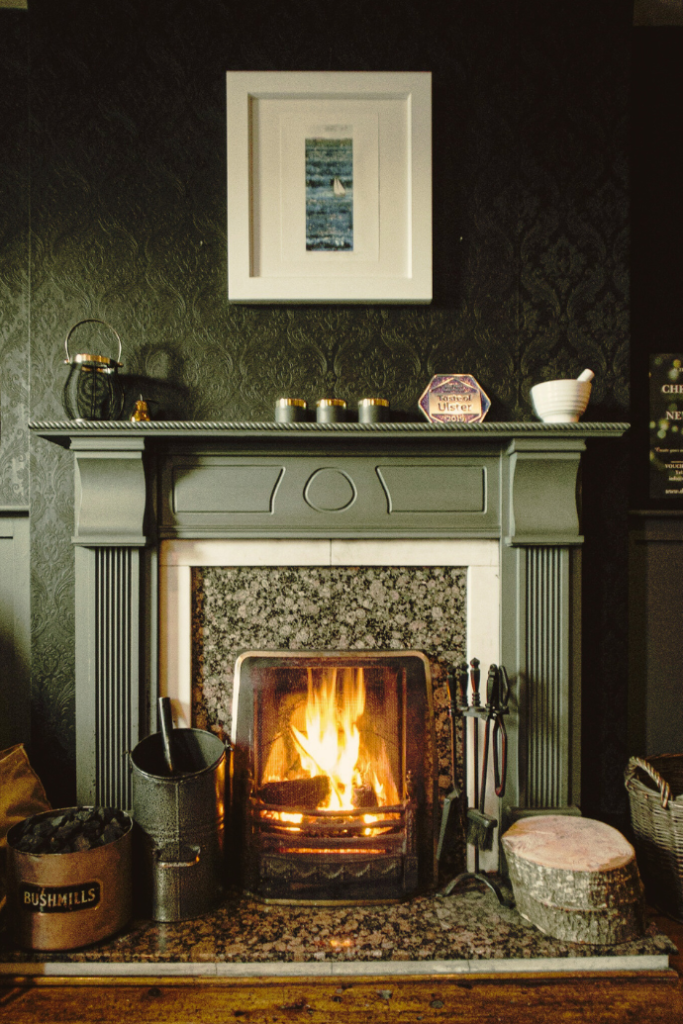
(372, 410)
(290, 410)
(330, 410)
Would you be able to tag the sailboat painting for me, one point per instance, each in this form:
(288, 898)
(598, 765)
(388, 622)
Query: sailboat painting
(329, 195)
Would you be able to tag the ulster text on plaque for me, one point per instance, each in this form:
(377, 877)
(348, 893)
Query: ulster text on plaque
(454, 398)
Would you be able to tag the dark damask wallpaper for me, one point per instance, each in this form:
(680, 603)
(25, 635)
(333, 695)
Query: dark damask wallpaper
(127, 222)
(14, 267)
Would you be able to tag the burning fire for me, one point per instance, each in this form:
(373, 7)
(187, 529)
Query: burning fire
(331, 739)
(331, 743)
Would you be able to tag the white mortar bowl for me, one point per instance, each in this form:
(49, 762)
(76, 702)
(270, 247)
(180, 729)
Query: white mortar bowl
(561, 401)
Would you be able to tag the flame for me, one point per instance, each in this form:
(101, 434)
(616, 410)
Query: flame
(331, 738)
(331, 743)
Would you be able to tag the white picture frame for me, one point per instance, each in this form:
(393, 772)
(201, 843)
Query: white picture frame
(297, 232)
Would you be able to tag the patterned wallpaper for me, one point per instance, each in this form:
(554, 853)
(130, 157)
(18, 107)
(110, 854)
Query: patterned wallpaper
(127, 223)
(14, 267)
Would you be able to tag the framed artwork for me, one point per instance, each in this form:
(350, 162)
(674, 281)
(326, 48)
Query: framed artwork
(329, 186)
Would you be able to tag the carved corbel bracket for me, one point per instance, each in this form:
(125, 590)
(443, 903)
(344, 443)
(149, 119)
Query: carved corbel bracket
(543, 501)
(110, 492)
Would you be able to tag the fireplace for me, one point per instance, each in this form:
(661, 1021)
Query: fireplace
(325, 596)
(333, 776)
(139, 485)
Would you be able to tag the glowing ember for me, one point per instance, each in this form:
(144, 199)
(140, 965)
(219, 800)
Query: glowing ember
(336, 851)
(284, 816)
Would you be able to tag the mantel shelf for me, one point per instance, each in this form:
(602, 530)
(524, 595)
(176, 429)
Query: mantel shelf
(64, 431)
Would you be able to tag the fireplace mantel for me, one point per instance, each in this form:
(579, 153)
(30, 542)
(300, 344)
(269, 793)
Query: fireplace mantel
(521, 486)
(138, 484)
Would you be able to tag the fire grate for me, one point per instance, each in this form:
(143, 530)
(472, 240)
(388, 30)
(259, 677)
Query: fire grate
(333, 782)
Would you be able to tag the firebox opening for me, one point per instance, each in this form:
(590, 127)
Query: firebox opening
(330, 775)
(330, 737)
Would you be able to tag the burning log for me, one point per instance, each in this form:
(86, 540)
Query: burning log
(364, 796)
(305, 793)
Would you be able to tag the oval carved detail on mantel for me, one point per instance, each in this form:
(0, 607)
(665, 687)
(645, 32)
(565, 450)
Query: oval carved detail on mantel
(330, 490)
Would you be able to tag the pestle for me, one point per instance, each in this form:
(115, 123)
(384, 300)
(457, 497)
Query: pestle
(166, 721)
(586, 376)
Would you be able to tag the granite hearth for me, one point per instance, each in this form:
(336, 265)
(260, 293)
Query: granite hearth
(464, 933)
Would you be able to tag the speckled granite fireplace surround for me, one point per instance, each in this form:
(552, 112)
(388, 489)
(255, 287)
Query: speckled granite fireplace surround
(392, 595)
(322, 608)
(397, 602)
(146, 492)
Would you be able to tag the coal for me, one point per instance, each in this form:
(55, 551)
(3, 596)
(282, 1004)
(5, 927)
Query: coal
(65, 832)
(111, 833)
(31, 844)
(81, 843)
(75, 831)
(44, 828)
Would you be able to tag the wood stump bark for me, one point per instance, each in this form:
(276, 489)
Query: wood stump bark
(575, 879)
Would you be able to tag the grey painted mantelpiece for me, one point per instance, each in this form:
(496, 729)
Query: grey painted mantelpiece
(140, 483)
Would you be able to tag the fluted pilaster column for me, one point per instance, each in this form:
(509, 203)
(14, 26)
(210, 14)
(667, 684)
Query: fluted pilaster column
(110, 498)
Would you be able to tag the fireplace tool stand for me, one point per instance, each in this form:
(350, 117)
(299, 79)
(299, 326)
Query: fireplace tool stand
(480, 826)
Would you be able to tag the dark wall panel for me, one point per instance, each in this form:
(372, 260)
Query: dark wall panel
(14, 257)
(657, 222)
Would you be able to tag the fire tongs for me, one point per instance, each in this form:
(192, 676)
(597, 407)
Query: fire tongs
(481, 825)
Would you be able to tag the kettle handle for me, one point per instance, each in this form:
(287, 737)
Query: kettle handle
(91, 320)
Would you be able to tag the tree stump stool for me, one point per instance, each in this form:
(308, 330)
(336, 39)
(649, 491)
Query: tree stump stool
(575, 879)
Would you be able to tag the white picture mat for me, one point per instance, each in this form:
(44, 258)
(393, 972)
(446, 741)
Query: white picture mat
(269, 116)
(287, 254)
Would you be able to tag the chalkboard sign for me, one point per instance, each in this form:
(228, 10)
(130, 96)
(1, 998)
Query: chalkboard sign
(666, 426)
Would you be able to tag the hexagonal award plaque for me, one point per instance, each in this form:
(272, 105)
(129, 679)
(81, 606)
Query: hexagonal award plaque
(454, 398)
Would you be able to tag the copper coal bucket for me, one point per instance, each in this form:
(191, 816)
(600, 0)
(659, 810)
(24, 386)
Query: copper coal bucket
(67, 900)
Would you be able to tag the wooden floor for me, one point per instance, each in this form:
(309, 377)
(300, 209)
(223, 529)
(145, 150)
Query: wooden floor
(642, 998)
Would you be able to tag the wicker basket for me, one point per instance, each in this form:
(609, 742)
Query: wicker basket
(657, 819)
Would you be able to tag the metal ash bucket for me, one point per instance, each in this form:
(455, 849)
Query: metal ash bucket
(180, 823)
